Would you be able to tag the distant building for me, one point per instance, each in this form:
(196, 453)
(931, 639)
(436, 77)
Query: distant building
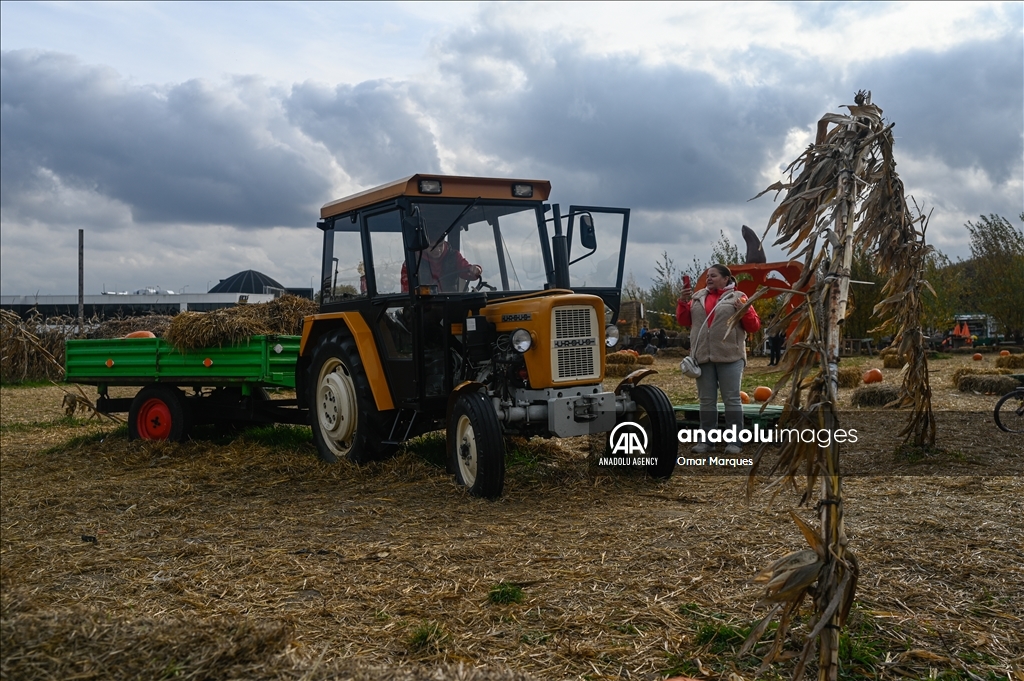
(246, 286)
(251, 281)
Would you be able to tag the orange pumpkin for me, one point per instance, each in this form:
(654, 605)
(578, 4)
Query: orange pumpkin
(1004, 353)
(141, 334)
(977, 357)
(745, 398)
(762, 393)
(872, 376)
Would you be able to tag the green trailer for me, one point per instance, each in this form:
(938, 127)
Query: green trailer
(182, 389)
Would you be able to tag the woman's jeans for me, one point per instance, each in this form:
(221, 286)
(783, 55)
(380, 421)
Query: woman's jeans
(725, 376)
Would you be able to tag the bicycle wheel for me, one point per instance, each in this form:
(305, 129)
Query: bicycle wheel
(1009, 412)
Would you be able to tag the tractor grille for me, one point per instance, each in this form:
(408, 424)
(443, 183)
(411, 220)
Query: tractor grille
(573, 322)
(576, 350)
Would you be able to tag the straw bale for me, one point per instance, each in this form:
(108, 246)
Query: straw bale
(971, 371)
(987, 385)
(621, 357)
(645, 360)
(873, 395)
(673, 352)
(618, 370)
(893, 361)
(849, 377)
(233, 325)
(1010, 362)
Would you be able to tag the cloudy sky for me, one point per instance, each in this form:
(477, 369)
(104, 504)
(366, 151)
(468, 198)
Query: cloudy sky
(193, 140)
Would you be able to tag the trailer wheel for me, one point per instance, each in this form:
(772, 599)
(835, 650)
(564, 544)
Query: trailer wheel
(346, 423)
(655, 415)
(476, 451)
(159, 412)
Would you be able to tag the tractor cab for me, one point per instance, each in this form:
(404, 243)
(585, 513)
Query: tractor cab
(439, 292)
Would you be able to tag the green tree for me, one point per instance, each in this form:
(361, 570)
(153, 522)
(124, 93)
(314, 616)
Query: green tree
(863, 296)
(997, 254)
(724, 251)
(948, 280)
(661, 299)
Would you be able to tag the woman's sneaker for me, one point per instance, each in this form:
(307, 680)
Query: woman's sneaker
(702, 448)
(733, 449)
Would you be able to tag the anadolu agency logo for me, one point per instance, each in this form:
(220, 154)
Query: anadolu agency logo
(628, 442)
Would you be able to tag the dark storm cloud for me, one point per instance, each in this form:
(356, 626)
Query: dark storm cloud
(664, 137)
(369, 128)
(964, 106)
(188, 153)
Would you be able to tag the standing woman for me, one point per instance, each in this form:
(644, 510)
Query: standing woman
(720, 353)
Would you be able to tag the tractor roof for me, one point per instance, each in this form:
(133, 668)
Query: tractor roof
(452, 186)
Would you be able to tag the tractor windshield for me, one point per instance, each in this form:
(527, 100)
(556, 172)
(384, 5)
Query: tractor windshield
(504, 240)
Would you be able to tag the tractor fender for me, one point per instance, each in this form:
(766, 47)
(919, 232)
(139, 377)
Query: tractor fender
(314, 327)
(633, 379)
(464, 387)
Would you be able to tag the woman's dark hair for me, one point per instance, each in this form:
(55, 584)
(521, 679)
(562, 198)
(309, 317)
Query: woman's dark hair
(725, 272)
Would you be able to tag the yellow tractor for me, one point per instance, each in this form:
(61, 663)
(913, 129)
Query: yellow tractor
(472, 305)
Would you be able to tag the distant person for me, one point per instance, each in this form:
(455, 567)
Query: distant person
(720, 352)
(775, 344)
(443, 266)
(662, 338)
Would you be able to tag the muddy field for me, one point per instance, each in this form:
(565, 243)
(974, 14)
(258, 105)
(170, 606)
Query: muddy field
(244, 557)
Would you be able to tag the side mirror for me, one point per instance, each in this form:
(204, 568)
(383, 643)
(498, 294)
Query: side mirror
(412, 225)
(588, 237)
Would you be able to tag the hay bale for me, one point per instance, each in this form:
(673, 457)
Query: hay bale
(1010, 362)
(969, 371)
(893, 361)
(618, 370)
(676, 352)
(849, 377)
(877, 395)
(645, 360)
(621, 357)
(234, 325)
(987, 385)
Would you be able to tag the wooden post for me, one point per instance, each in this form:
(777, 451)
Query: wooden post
(81, 282)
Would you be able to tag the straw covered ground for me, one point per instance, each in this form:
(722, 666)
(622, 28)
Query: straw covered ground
(245, 557)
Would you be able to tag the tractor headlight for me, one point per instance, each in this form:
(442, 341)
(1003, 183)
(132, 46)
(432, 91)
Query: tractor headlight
(521, 340)
(611, 335)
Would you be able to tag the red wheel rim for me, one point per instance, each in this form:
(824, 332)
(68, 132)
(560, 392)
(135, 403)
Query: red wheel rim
(154, 420)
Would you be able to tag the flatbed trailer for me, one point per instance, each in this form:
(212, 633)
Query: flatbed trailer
(184, 388)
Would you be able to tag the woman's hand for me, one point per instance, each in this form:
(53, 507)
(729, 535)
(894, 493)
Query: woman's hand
(739, 301)
(685, 296)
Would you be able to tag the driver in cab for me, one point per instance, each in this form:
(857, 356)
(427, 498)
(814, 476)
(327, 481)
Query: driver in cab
(443, 266)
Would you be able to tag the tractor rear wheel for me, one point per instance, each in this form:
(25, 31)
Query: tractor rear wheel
(346, 423)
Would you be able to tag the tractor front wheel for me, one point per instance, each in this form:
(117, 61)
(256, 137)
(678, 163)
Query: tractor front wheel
(476, 451)
(655, 415)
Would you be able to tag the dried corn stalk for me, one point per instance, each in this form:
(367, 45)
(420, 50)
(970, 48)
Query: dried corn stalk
(845, 194)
